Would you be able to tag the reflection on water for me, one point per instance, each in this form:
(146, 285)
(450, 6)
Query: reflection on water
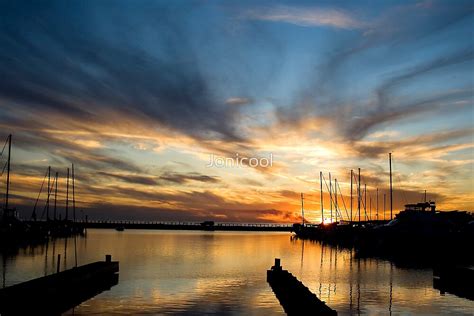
(179, 272)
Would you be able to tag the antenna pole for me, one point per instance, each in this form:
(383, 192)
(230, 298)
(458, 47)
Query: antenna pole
(391, 189)
(321, 194)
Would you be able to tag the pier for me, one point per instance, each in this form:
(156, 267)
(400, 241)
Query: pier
(207, 225)
(293, 295)
(57, 293)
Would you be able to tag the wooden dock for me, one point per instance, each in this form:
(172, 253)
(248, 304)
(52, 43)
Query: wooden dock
(57, 293)
(293, 295)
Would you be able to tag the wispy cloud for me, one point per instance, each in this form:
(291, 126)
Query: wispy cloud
(307, 16)
(237, 101)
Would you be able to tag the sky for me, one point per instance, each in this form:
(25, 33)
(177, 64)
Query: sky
(142, 95)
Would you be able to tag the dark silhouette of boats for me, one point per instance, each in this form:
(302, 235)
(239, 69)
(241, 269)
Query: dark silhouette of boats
(16, 232)
(419, 234)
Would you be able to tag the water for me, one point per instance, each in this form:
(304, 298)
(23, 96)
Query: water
(196, 272)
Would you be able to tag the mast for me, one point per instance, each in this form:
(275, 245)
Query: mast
(370, 208)
(73, 197)
(365, 200)
(425, 196)
(358, 195)
(74, 216)
(67, 195)
(49, 193)
(351, 195)
(335, 187)
(377, 216)
(384, 206)
(8, 172)
(55, 194)
(391, 190)
(302, 207)
(321, 194)
(330, 194)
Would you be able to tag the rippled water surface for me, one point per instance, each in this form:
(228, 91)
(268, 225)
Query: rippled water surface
(196, 272)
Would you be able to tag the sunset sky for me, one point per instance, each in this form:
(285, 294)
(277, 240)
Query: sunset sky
(140, 94)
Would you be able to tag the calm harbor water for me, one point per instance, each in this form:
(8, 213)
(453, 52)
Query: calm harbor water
(197, 272)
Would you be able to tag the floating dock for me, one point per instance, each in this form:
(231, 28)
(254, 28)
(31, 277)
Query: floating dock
(293, 295)
(57, 293)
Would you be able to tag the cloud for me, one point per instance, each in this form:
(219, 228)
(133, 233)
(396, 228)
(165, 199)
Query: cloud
(130, 178)
(428, 146)
(82, 69)
(237, 101)
(306, 16)
(181, 178)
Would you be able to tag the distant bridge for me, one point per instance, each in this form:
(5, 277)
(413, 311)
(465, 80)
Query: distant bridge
(208, 225)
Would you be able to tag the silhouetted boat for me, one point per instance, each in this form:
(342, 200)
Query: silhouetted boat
(419, 233)
(14, 231)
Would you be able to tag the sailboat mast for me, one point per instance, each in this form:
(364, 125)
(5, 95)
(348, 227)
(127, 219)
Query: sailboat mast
(351, 195)
(335, 188)
(49, 192)
(8, 171)
(67, 195)
(358, 195)
(302, 207)
(391, 190)
(55, 193)
(370, 207)
(73, 197)
(384, 206)
(365, 200)
(321, 195)
(377, 216)
(330, 194)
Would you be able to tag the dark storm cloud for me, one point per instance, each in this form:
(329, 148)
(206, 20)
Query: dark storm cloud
(81, 61)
